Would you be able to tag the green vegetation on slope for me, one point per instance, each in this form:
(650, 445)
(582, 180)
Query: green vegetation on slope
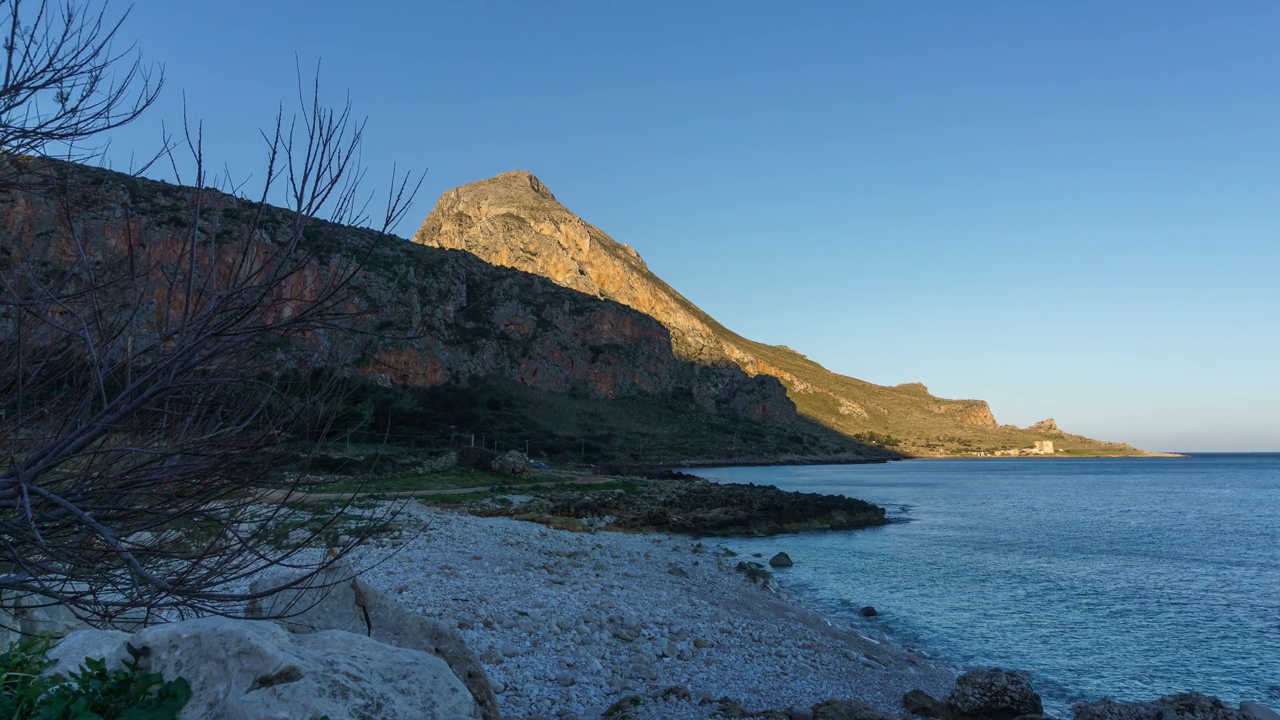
(915, 422)
(393, 429)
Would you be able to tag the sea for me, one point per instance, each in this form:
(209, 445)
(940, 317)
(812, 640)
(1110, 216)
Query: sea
(1128, 578)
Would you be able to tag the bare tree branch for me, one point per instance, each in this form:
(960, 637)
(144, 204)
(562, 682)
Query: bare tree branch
(64, 81)
(159, 345)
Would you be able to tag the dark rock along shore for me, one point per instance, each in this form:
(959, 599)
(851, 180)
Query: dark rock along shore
(996, 694)
(698, 507)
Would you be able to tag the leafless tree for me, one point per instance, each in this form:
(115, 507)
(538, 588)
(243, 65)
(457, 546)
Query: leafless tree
(65, 80)
(159, 343)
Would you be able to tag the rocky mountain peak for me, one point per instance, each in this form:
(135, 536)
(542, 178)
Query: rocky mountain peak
(513, 182)
(1045, 426)
(513, 220)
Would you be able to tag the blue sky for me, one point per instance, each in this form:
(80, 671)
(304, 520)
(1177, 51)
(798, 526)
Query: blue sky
(1067, 209)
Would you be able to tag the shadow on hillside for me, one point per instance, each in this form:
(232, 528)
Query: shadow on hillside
(390, 429)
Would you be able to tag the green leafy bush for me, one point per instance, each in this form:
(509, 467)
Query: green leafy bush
(92, 693)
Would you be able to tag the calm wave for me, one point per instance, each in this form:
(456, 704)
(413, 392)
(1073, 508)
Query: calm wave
(1132, 578)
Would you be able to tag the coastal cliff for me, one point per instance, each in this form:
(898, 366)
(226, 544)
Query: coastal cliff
(511, 297)
(447, 329)
(513, 220)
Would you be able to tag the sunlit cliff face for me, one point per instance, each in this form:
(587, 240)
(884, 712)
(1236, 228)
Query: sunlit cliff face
(427, 316)
(513, 220)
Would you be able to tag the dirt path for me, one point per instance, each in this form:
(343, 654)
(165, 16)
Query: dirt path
(288, 496)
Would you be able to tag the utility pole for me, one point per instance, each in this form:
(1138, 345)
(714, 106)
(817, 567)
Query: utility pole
(473, 439)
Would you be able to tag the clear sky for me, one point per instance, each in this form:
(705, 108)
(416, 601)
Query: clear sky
(1067, 209)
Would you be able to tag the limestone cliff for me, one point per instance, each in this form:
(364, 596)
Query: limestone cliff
(608, 352)
(440, 317)
(1046, 426)
(513, 220)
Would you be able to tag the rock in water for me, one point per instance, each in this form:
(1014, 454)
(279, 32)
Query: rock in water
(781, 560)
(1183, 706)
(992, 694)
(1254, 711)
(868, 611)
(336, 600)
(754, 572)
(248, 670)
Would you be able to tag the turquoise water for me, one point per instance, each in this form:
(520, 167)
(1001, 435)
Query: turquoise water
(1131, 578)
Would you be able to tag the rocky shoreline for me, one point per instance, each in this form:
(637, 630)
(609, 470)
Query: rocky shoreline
(674, 502)
(492, 617)
(647, 626)
(573, 625)
(570, 623)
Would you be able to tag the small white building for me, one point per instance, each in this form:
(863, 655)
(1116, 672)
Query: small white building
(1044, 447)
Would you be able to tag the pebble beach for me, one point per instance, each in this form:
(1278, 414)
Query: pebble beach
(568, 623)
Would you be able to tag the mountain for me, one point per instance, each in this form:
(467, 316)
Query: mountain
(460, 347)
(513, 220)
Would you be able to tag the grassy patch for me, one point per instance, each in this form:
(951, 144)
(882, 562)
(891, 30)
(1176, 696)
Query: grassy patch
(1104, 451)
(627, 485)
(444, 480)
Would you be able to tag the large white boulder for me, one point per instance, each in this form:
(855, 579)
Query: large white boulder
(8, 626)
(24, 614)
(70, 652)
(337, 600)
(247, 670)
